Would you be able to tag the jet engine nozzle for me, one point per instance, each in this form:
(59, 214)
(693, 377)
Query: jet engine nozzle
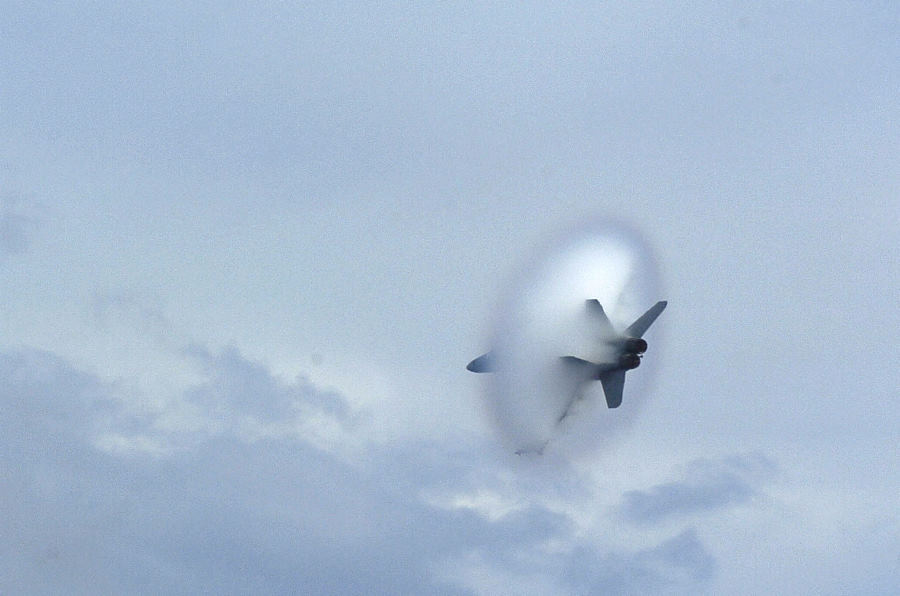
(629, 360)
(635, 345)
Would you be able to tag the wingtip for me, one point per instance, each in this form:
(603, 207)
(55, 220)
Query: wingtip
(482, 364)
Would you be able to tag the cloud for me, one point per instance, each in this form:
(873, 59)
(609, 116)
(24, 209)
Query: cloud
(223, 510)
(707, 486)
(238, 387)
(16, 226)
(680, 562)
(220, 514)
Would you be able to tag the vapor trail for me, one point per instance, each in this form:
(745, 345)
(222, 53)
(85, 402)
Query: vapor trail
(542, 316)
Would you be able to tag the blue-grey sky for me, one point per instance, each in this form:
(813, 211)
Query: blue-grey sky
(246, 253)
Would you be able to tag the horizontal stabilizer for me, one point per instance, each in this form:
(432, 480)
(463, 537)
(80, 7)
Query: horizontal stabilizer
(613, 385)
(639, 327)
(592, 370)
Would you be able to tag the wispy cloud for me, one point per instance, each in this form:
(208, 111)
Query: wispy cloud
(707, 485)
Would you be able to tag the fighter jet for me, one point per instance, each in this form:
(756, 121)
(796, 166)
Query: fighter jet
(624, 350)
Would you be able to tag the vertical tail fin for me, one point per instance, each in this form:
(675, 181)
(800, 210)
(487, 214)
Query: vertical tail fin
(639, 327)
(595, 309)
(613, 385)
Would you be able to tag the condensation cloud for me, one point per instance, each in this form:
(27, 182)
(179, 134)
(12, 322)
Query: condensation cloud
(542, 316)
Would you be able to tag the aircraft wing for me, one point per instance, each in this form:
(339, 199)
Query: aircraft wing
(577, 364)
(613, 385)
(482, 364)
(583, 370)
(639, 327)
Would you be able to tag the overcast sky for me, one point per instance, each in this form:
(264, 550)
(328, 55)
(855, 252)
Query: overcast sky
(246, 254)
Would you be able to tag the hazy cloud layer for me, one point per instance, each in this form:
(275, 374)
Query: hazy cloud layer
(678, 564)
(707, 486)
(272, 512)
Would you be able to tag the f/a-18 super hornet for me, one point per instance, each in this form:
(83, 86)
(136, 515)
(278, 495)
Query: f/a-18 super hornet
(622, 352)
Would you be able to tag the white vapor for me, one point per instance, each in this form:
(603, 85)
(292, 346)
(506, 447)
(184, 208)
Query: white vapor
(543, 317)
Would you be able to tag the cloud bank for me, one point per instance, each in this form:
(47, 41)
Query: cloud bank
(243, 495)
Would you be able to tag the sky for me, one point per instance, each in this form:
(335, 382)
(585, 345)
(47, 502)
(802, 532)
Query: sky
(246, 254)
